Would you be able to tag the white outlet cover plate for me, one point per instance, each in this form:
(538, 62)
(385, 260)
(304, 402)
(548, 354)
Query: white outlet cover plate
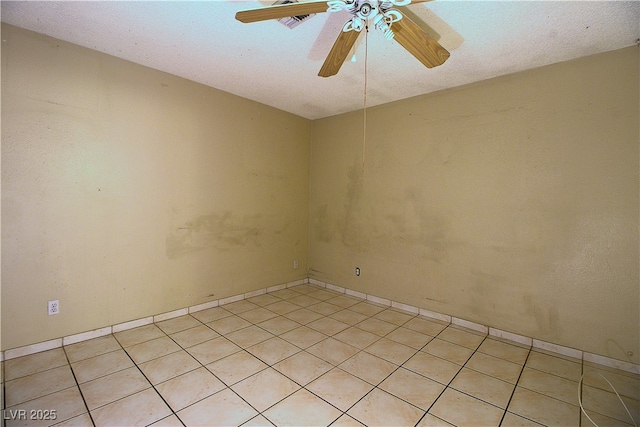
(53, 307)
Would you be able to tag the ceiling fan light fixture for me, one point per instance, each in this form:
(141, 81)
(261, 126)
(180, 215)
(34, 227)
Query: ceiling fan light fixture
(353, 24)
(378, 12)
(381, 13)
(383, 22)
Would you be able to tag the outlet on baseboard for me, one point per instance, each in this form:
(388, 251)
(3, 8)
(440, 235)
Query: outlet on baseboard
(54, 307)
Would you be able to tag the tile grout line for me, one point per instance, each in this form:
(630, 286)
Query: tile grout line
(226, 386)
(401, 366)
(506, 409)
(445, 386)
(375, 386)
(4, 391)
(229, 386)
(581, 388)
(46, 394)
(145, 376)
(448, 385)
(155, 358)
(78, 385)
(532, 350)
(398, 367)
(343, 413)
(301, 387)
(173, 412)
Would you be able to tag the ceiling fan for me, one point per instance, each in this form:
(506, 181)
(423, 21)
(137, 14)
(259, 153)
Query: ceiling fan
(381, 13)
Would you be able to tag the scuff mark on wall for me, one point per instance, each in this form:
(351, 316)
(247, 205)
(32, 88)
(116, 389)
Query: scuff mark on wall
(223, 231)
(484, 282)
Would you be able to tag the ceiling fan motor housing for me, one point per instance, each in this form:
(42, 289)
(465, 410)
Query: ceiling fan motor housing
(367, 9)
(363, 11)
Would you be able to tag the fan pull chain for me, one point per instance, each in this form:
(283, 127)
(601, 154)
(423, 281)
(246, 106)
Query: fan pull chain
(364, 121)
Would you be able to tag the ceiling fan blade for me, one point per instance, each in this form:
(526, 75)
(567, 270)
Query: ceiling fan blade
(282, 11)
(419, 43)
(338, 53)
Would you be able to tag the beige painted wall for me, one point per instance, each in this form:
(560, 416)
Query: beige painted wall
(128, 192)
(512, 203)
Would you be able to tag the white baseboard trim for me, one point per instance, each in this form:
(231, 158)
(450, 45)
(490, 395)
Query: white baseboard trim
(487, 330)
(83, 336)
(505, 335)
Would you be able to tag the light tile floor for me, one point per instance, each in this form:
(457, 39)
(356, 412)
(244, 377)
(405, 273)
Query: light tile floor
(307, 356)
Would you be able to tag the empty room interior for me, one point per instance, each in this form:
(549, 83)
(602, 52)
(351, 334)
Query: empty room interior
(198, 229)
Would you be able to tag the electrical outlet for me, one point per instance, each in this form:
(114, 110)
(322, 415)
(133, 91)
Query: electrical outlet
(357, 271)
(295, 264)
(54, 307)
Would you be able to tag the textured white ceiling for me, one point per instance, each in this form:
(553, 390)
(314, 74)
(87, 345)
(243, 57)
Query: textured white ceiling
(272, 64)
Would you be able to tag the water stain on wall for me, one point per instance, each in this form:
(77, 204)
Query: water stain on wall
(223, 231)
(321, 224)
(545, 316)
(486, 282)
(410, 222)
(485, 286)
(351, 226)
(403, 221)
